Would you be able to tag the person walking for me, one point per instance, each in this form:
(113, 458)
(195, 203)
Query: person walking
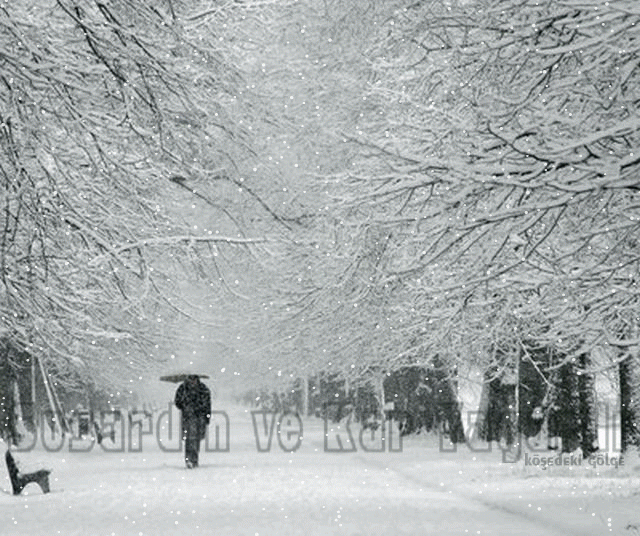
(193, 399)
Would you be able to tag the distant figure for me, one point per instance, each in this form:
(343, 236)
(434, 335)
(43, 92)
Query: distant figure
(193, 399)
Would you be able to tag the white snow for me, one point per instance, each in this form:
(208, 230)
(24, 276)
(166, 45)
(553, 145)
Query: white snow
(418, 491)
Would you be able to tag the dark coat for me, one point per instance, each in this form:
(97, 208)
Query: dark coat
(193, 399)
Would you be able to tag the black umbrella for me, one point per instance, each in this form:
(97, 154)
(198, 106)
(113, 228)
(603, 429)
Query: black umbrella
(179, 377)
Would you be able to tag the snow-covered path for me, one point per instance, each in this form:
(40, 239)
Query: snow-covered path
(246, 492)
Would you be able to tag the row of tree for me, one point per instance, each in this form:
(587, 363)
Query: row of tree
(475, 194)
(323, 186)
(115, 117)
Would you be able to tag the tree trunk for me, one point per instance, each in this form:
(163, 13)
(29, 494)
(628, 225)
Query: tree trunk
(628, 412)
(379, 388)
(481, 429)
(34, 404)
(8, 430)
(516, 403)
(456, 429)
(509, 427)
(567, 408)
(588, 407)
(305, 410)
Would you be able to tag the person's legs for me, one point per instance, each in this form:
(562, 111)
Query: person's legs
(192, 443)
(196, 451)
(191, 451)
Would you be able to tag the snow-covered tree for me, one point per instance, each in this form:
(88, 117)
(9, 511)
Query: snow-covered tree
(114, 117)
(500, 152)
(488, 151)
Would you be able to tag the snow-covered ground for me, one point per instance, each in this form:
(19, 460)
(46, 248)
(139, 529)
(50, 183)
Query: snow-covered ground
(252, 490)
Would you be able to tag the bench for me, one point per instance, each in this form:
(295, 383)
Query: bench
(20, 480)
